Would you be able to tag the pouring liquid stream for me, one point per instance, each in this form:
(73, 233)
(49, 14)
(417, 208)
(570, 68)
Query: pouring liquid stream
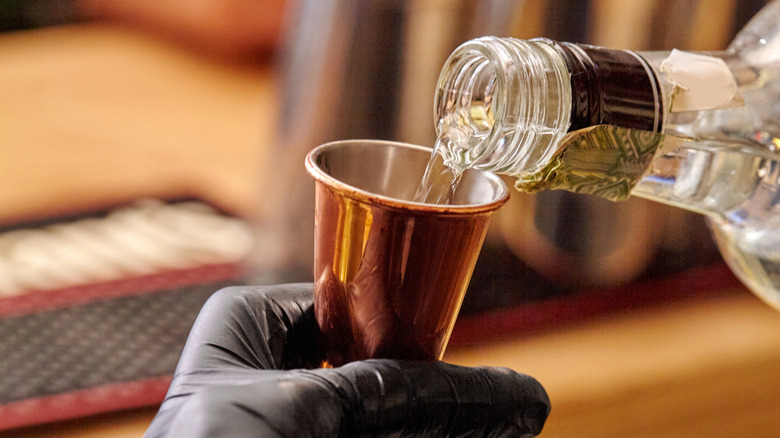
(439, 182)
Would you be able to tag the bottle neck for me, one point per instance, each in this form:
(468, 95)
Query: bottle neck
(504, 105)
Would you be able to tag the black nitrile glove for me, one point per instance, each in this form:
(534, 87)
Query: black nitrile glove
(243, 373)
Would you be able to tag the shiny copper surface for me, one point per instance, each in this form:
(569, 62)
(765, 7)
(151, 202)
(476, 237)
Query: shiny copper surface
(390, 274)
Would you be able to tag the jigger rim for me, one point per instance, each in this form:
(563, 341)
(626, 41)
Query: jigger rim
(356, 193)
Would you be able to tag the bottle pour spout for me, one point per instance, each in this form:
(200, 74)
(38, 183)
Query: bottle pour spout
(502, 105)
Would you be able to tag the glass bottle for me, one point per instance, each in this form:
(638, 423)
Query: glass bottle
(699, 131)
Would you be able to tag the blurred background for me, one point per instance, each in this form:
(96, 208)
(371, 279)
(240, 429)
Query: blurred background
(113, 110)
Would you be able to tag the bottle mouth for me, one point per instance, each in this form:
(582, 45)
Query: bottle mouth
(502, 105)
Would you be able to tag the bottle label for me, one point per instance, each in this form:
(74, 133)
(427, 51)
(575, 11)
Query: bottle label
(699, 82)
(602, 160)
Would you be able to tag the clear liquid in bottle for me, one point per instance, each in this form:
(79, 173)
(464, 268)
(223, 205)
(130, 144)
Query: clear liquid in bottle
(738, 188)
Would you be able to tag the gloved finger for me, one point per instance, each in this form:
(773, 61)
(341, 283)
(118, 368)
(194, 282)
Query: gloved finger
(439, 399)
(370, 398)
(254, 327)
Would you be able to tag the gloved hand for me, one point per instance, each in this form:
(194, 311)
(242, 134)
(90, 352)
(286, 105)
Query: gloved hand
(249, 369)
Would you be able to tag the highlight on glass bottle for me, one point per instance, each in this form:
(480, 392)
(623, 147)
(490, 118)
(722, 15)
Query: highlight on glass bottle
(693, 130)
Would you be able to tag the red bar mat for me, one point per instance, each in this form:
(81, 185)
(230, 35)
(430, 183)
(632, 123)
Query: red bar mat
(95, 308)
(115, 347)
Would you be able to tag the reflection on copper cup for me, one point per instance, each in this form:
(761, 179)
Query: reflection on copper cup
(391, 274)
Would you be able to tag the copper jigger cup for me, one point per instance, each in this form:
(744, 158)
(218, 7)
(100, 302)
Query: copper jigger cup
(391, 274)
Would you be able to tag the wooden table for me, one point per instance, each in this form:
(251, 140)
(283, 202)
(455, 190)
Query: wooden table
(91, 115)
